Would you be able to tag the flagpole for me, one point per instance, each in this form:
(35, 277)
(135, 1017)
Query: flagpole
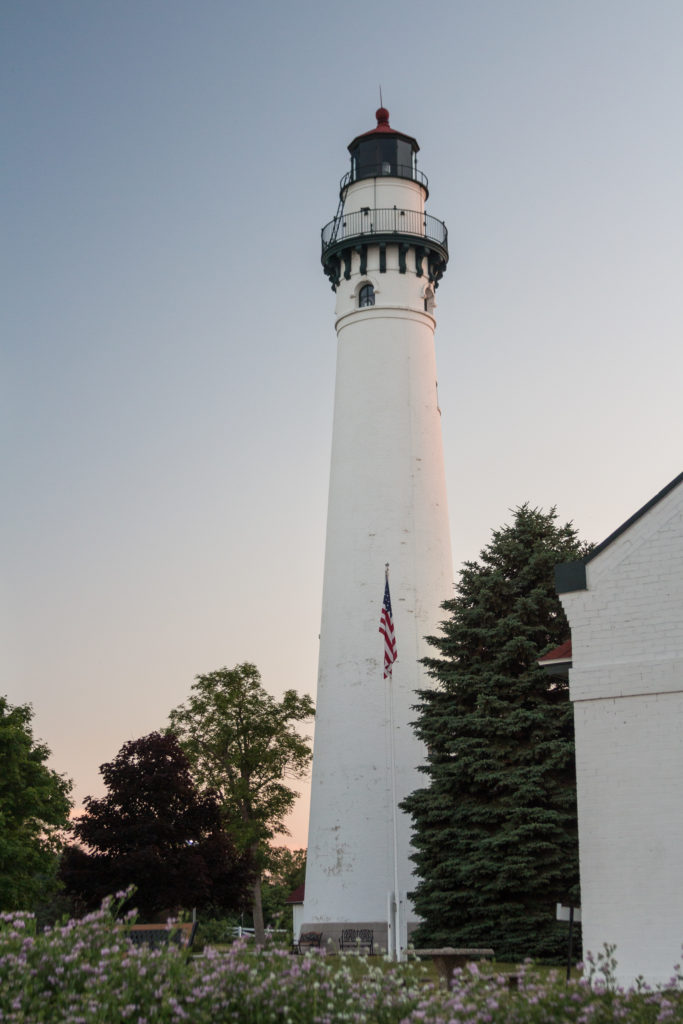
(397, 896)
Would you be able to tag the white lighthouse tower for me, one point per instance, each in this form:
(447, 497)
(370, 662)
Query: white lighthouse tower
(387, 504)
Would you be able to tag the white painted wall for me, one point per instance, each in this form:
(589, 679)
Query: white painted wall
(387, 503)
(297, 919)
(384, 193)
(627, 687)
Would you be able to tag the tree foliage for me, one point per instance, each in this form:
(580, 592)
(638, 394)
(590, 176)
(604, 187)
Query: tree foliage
(495, 829)
(243, 744)
(285, 872)
(34, 808)
(155, 830)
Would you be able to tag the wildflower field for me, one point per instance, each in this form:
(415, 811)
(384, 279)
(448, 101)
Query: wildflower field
(88, 971)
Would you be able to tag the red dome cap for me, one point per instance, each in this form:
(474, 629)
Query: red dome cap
(385, 129)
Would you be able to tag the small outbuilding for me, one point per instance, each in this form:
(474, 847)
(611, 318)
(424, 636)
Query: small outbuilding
(295, 900)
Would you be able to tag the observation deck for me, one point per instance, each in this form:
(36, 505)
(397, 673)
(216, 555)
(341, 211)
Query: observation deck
(408, 229)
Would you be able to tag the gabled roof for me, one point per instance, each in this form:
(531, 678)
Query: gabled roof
(556, 663)
(572, 575)
(298, 895)
(561, 654)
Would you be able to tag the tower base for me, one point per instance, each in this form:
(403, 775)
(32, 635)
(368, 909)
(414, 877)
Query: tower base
(332, 931)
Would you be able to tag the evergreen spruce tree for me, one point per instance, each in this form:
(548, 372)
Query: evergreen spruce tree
(495, 830)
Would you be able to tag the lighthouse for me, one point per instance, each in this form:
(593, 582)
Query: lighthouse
(387, 523)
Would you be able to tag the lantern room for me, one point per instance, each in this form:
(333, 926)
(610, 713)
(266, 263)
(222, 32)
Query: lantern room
(384, 152)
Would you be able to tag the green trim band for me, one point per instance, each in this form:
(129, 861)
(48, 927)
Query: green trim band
(341, 253)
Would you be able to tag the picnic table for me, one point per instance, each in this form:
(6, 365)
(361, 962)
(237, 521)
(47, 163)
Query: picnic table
(447, 958)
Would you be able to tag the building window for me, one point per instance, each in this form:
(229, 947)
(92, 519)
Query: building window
(366, 296)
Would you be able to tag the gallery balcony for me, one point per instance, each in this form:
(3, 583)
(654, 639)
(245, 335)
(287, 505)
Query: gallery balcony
(408, 229)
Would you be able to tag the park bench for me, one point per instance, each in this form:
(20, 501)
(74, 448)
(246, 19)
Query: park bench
(307, 940)
(163, 934)
(446, 959)
(357, 939)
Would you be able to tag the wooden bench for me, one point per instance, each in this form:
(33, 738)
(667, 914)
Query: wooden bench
(357, 939)
(163, 934)
(307, 940)
(446, 959)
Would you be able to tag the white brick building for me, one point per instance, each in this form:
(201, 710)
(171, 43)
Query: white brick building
(624, 603)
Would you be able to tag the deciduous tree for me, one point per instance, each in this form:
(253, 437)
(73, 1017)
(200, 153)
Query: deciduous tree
(244, 744)
(495, 828)
(285, 871)
(34, 808)
(155, 830)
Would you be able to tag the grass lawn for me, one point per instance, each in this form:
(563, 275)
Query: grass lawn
(359, 966)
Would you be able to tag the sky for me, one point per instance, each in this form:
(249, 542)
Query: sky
(168, 344)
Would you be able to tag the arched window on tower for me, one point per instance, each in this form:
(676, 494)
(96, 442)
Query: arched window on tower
(366, 296)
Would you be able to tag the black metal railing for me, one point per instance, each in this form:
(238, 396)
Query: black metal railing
(386, 222)
(386, 169)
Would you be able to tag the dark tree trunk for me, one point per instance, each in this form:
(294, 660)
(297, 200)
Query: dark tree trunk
(257, 911)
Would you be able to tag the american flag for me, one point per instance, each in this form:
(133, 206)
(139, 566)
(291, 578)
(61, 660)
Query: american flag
(386, 628)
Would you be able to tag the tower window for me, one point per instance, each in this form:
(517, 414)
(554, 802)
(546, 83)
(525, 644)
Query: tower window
(366, 296)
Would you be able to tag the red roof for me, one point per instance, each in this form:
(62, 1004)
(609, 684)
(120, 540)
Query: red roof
(298, 895)
(382, 115)
(384, 128)
(561, 653)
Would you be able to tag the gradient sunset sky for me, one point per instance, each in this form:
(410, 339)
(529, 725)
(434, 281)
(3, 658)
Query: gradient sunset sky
(168, 345)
